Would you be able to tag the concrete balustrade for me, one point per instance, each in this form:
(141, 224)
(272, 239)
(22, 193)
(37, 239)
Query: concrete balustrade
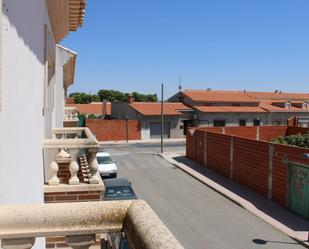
(80, 222)
(70, 114)
(67, 145)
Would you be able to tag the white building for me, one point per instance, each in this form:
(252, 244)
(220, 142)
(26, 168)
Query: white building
(35, 73)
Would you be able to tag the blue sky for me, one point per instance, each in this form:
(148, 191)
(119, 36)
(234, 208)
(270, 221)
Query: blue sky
(135, 45)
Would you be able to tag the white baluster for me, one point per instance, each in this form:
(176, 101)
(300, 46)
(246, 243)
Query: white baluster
(75, 115)
(74, 167)
(80, 241)
(24, 243)
(54, 168)
(93, 165)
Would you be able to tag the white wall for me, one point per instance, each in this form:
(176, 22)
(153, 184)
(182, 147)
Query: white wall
(231, 119)
(21, 115)
(62, 57)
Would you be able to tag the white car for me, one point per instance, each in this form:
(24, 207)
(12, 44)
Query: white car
(107, 166)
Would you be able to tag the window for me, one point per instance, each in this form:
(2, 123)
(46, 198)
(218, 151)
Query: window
(256, 122)
(219, 122)
(242, 122)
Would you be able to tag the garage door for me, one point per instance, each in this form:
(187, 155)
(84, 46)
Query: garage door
(155, 130)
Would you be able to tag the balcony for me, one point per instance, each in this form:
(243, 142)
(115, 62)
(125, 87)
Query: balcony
(70, 117)
(70, 161)
(81, 222)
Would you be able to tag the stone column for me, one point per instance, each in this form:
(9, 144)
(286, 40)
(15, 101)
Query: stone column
(24, 243)
(80, 241)
(93, 165)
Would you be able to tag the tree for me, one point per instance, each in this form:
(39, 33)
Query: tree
(81, 98)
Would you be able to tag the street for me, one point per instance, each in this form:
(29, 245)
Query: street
(198, 216)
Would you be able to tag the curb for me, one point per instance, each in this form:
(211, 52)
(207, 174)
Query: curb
(301, 242)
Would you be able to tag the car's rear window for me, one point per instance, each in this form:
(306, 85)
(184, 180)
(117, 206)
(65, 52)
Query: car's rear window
(118, 191)
(105, 159)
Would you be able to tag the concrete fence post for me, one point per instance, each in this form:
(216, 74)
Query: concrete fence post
(223, 130)
(231, 158)
(270, 171)
(257, 132)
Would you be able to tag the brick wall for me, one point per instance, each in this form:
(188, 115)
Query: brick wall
(257, 164)
(64, 174)
(69, 196)
(251, 163)
(114, 130)
(70, 123)
(190, 144)
(76, 196)
(292, 130)
(243, 131)
(269, 133)
(218, 148)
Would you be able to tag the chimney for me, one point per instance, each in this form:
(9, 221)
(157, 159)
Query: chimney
(130, 99)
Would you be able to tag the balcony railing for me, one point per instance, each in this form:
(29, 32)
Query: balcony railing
(70, 114)
(80, 222)
(68, 147)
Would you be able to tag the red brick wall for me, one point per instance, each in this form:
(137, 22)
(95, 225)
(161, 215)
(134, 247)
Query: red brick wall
(70, 124)
(190, 144)
(62, 197)
(218, 149)
(269, 133)
(243, 131)
(251, 158)
(251, 163)
(200, 139)
(114, 130)
(292, 130)
(64, 173)
(77, 196)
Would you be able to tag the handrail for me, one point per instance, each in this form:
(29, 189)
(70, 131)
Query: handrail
(142, 226)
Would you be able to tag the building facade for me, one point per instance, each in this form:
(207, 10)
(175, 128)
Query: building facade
(243, 108)
(149, 115)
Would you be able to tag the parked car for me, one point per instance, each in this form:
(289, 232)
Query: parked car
(107, 166)
(118, 189)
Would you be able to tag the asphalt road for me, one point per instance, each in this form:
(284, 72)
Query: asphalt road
(199, 217)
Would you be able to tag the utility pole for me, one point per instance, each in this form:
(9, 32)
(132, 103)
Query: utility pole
(162, 118)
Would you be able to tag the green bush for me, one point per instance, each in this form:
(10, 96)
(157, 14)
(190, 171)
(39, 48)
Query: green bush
(298, 140)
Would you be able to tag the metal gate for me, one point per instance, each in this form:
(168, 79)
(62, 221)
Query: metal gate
(299, 189)
(155, 130)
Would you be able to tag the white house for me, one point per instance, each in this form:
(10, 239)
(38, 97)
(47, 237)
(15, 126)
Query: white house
(35, 73)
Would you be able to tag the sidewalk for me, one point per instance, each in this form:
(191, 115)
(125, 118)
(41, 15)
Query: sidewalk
(278, 217)
(166, 140)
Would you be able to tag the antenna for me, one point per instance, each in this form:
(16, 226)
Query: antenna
(179, 82)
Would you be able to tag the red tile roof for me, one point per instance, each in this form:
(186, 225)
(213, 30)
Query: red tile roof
(154, 108)
(218, 96)
(278, 96)
(241, 96)
(95, 108)
(273, 108)
(234, 109)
